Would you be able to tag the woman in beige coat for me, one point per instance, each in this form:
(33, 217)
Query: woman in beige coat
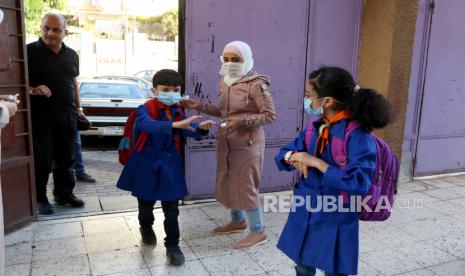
(244, 105)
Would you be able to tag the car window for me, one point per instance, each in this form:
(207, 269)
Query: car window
(110, 90)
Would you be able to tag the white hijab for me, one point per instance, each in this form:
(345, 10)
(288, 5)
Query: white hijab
(243, 50)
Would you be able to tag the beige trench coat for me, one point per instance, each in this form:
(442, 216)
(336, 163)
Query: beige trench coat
(240, 151)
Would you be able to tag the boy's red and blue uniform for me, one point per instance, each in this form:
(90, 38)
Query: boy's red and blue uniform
(157, 172)
(328, 240)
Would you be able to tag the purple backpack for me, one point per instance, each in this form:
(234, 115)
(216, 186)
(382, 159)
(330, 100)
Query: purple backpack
(385, 176)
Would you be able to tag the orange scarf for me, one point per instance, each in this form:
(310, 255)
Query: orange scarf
(323, 133)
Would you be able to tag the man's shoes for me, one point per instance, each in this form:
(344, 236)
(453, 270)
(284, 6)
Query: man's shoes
(148, 236)
(84, 177)
(45, 208)
(71, 200)
(175, 255)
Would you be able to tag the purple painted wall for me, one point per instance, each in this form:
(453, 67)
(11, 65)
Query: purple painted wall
(278, 32)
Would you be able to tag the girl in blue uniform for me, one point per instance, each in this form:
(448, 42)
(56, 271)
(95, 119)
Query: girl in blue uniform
(156, 172)
(315, 237)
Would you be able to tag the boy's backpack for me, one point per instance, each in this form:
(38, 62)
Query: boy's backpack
(129, 142)
(384, 179)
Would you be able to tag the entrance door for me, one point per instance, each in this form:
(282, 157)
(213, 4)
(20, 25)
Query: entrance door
(17, 170)
(283, 48)
(440, 144)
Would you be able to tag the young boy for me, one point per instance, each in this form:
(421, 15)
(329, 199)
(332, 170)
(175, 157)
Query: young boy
(156, 171)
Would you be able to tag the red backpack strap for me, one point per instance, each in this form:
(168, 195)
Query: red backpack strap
(152, 108)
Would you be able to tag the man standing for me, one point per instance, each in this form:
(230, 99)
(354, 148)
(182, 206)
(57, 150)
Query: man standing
(55, 106)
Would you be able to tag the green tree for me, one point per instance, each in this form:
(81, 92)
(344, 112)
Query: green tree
(34, 10)
(169, 21)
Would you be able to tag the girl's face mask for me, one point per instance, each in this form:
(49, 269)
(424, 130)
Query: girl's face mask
(317, 112)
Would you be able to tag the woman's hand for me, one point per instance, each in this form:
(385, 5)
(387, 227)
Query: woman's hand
(12, 108)
(309, 161)
(10, 98)
(190, 104)
(230, 123)
(185, 124)
(206, 125)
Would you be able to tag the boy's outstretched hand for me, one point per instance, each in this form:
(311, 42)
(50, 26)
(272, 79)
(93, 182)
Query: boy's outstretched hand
(185, 124)
(206, 125)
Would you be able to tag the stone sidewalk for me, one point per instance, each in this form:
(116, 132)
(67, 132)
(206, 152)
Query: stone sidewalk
(424, 236)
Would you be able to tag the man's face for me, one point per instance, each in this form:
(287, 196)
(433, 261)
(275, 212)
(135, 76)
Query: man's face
(53, 31)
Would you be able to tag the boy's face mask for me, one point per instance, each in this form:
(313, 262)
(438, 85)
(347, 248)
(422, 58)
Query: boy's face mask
(169, 97)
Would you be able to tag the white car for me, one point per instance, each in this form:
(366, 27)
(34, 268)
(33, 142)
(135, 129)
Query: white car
(143, 84)
(108, 103)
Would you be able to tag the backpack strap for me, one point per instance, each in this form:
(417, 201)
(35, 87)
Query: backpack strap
(309, 134)
(339, 151)
(152, 108)
(339, 146)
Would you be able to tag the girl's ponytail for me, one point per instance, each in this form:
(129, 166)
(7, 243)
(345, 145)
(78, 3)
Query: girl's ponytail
(370, 109)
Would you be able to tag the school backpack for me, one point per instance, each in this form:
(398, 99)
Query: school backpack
(384, 179)
(129, 142)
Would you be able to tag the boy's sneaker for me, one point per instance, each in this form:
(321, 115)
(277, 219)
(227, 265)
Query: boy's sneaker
(175, 255)
(148, 236)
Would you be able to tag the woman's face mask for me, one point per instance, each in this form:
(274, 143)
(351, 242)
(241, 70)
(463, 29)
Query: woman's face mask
(233, 69)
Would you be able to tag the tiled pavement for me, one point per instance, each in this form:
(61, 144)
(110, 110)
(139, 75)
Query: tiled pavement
(101, 197)
(425, 239)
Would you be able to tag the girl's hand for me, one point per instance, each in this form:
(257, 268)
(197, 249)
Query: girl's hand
(301, 168)
(185, 124)
(309, 161)
(206, 125)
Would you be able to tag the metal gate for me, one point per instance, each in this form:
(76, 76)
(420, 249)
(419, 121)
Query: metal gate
(288, 38)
